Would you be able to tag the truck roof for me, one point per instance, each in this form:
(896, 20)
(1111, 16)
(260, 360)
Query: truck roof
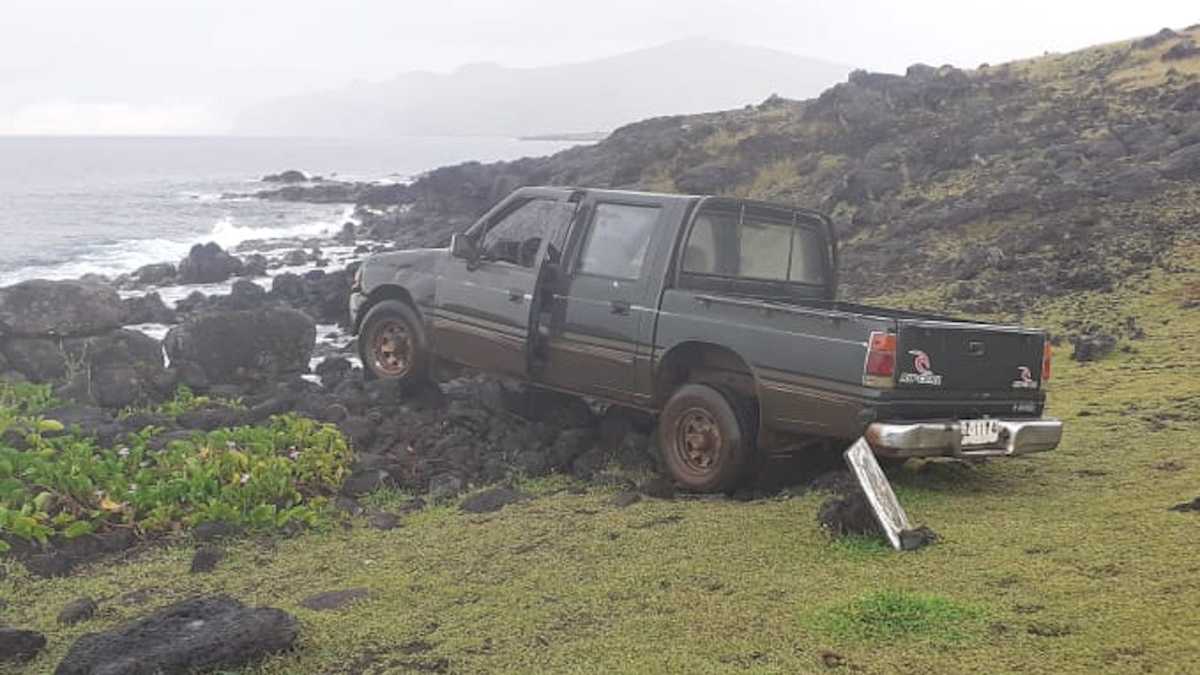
(713, 200)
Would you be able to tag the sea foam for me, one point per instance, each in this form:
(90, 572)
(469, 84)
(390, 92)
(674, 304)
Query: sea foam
(123, 256)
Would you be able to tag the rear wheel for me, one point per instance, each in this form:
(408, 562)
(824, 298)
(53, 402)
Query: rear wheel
(707, 440)
(392, 343)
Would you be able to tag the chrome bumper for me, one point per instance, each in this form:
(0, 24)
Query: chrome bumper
(944, 438)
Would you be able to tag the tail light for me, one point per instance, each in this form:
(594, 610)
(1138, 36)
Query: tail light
(356, 285)
(880, 368)
(1047, 353)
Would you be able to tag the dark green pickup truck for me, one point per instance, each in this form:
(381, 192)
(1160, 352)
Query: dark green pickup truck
(719, 315)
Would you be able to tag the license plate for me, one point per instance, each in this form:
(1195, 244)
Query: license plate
(980, 432)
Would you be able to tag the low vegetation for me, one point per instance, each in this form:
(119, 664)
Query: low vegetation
(60, 484)
(184, 401)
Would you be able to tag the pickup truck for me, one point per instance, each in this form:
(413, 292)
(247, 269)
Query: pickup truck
(717, 315)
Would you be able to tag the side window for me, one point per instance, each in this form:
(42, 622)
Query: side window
(808, 257)
(700, 254)
(720, 245)
(518, 236)
(618, 239)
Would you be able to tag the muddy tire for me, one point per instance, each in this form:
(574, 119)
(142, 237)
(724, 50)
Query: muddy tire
(392, 344)
(707, 438)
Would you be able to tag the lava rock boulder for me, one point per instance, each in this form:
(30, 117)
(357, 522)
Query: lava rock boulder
(244, 345)
(200, 634)
(208, 264)
(40, 308)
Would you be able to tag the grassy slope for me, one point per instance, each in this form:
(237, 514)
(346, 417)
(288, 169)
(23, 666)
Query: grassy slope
(1067, 562)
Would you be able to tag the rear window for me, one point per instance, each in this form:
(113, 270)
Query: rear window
(747, 247)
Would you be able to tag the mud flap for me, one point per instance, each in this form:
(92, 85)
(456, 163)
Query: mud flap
(891, 516)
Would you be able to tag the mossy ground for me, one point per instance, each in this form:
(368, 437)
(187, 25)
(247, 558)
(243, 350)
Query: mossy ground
(1065, 562)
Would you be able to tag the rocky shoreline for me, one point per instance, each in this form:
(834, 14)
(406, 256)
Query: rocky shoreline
(260, 335)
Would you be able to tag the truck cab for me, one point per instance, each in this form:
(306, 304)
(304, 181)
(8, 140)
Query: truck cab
(719, 315)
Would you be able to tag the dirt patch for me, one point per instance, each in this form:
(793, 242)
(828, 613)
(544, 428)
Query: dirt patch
(205, 560)
(832, 659)
(658, 488)
(331, 600)
(1050, 630)
(624, 499)
(382, 520)
(492, 500)
(657, 522)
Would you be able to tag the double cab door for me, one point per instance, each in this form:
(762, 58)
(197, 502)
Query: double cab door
(564, 293)
(484, 307)
(601, 305)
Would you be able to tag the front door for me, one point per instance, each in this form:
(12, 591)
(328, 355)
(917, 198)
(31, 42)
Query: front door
(484, 306)
(602, 308)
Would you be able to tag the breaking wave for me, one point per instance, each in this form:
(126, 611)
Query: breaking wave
(126, 255)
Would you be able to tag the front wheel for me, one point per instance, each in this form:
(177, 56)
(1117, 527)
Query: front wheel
(392, 343)
(706, 442)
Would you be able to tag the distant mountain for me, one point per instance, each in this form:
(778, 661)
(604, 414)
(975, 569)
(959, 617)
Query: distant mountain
(685, 76)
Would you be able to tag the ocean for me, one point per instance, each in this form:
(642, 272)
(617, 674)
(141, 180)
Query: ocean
(76, 205)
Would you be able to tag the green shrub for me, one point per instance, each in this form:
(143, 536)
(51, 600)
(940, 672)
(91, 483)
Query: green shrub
(258, 477)
(184, 401)
(20, 401)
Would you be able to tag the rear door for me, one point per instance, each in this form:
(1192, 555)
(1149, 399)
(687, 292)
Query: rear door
(603, 307)
(950, 356)
(483, 308)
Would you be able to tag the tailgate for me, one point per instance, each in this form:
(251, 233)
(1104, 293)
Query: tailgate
(952, 356)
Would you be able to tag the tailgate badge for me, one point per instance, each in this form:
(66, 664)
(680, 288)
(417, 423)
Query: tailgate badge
(1025, 381)
(924, 368)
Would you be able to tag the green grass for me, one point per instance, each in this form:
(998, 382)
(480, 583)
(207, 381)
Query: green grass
(1067, 562)
(900, 615)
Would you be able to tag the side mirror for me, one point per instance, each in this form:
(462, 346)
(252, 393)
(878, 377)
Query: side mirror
(463, 247)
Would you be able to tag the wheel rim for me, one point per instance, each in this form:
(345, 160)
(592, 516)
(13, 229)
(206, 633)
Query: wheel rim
(391, 348)
(698, 440)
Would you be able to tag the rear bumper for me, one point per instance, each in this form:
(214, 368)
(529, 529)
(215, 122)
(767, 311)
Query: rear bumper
(944, 438)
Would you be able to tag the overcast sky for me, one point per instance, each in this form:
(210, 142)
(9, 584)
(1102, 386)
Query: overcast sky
(185, 66)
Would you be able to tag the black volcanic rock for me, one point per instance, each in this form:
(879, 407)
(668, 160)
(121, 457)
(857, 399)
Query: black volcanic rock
(244, 345)
(148, 308)
(289, 176)
(207, 264)
(20, 645)
(154, 274)
(40, 308)
(201, 634)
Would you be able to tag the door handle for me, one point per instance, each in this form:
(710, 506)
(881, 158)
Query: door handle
(619, 307)
(515, 296)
